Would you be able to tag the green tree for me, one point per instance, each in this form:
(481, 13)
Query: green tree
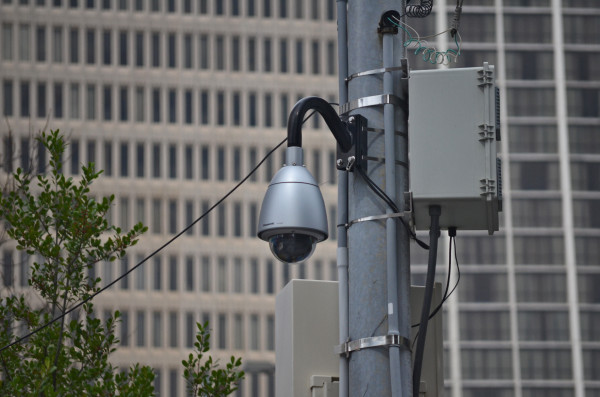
(58, 221)
(204, 376)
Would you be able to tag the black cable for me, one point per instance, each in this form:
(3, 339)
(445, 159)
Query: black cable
(434, 233)
(446, 293)
(122, 276)
(421, 10)
(379, 192)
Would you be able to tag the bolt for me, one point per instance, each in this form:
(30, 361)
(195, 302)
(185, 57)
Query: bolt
(351, 119)
(340, 162)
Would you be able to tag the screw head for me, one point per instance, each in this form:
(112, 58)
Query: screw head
(340, 162)
(351, 119)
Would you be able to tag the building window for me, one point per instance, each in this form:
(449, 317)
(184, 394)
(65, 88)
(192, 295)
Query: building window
(220, 52)
(139, 104)
(221, 108)
(172, 50)
(283, 8)
(188, 106)
(58, 100)
(124, 328)
(40, 38)
(25, 98)
(235, 54)
(90, 46)
(205, 162)
(106, 47)
(187, 6)
(188, 55)
(91, 102)
(107, 102)
(74, 45)
(299, 9)
(205, 280)
(124, 157)
(173, 331)
(173, 212)
(7, 41)
(157, 329)
(206, 219)
(221, 218)
(189, 162)
(156, 105)
(172, 153)
(24, 43)
(254, 332)
(156, 216)
(155, 49)
(316, 57)
(172, 106)
(299, 56)
(189, 273)
(270, 332)
(238, 276)
(268, 112)
(251, 56)
(140, 328)
(190, 326)
(254, 276)
(57, 44)
(222, 331)
(123, 50)
(75, 158)
(267, 56)
(140, 163)
(172, 264)
(283, 56)
(204, 52)
(237, 220)
(74, 101)
(123, 104)
(331, 58)
(238, 329)
(41, 100)
(157, 273)
(237, 111)
(222, 275)
(139, 49)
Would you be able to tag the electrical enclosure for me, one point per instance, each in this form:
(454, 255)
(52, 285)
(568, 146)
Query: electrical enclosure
(306, 331)
(453, 129)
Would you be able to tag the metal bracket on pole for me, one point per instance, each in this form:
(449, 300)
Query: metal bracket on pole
(373, 100)
(374, 341)
(357, 154)
(403, 67)
(404, 215)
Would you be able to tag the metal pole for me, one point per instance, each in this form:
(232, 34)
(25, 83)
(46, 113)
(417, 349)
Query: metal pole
(369, 296)
(342, 236)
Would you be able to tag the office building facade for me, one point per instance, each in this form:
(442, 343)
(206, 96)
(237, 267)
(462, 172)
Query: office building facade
(178, 100)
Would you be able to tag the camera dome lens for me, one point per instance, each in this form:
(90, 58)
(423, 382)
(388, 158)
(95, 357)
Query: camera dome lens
(292, 247)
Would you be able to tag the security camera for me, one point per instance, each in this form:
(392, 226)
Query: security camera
(292, 217)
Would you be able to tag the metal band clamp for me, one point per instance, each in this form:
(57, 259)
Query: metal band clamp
(374, 341)
(377, 217)
(371, 101)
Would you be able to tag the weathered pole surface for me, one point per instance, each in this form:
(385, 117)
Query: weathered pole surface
(369, 300)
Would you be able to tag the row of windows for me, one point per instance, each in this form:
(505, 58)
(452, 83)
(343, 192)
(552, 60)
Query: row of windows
(174, 161)
(189, 273)
(172, 50)
(170, 382)
(174, 329)
(141, 104)
(297, 9)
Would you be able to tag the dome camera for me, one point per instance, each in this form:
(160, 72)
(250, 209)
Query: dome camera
(292, 217)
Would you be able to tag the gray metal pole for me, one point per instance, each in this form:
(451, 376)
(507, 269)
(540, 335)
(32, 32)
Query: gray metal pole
(342, 251)
(369, 369)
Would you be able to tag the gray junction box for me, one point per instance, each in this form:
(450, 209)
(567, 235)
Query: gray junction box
(453, 127)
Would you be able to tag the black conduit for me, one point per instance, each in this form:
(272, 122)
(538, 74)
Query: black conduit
(434, 233)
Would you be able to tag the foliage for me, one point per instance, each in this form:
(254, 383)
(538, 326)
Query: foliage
(65, 229)
(204, 377)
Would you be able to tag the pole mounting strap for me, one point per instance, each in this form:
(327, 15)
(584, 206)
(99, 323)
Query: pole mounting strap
(371, 101)
(403, 67)
(406, 215)
(375, 341)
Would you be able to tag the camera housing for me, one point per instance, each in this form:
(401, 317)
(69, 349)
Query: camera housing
(292, 216)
